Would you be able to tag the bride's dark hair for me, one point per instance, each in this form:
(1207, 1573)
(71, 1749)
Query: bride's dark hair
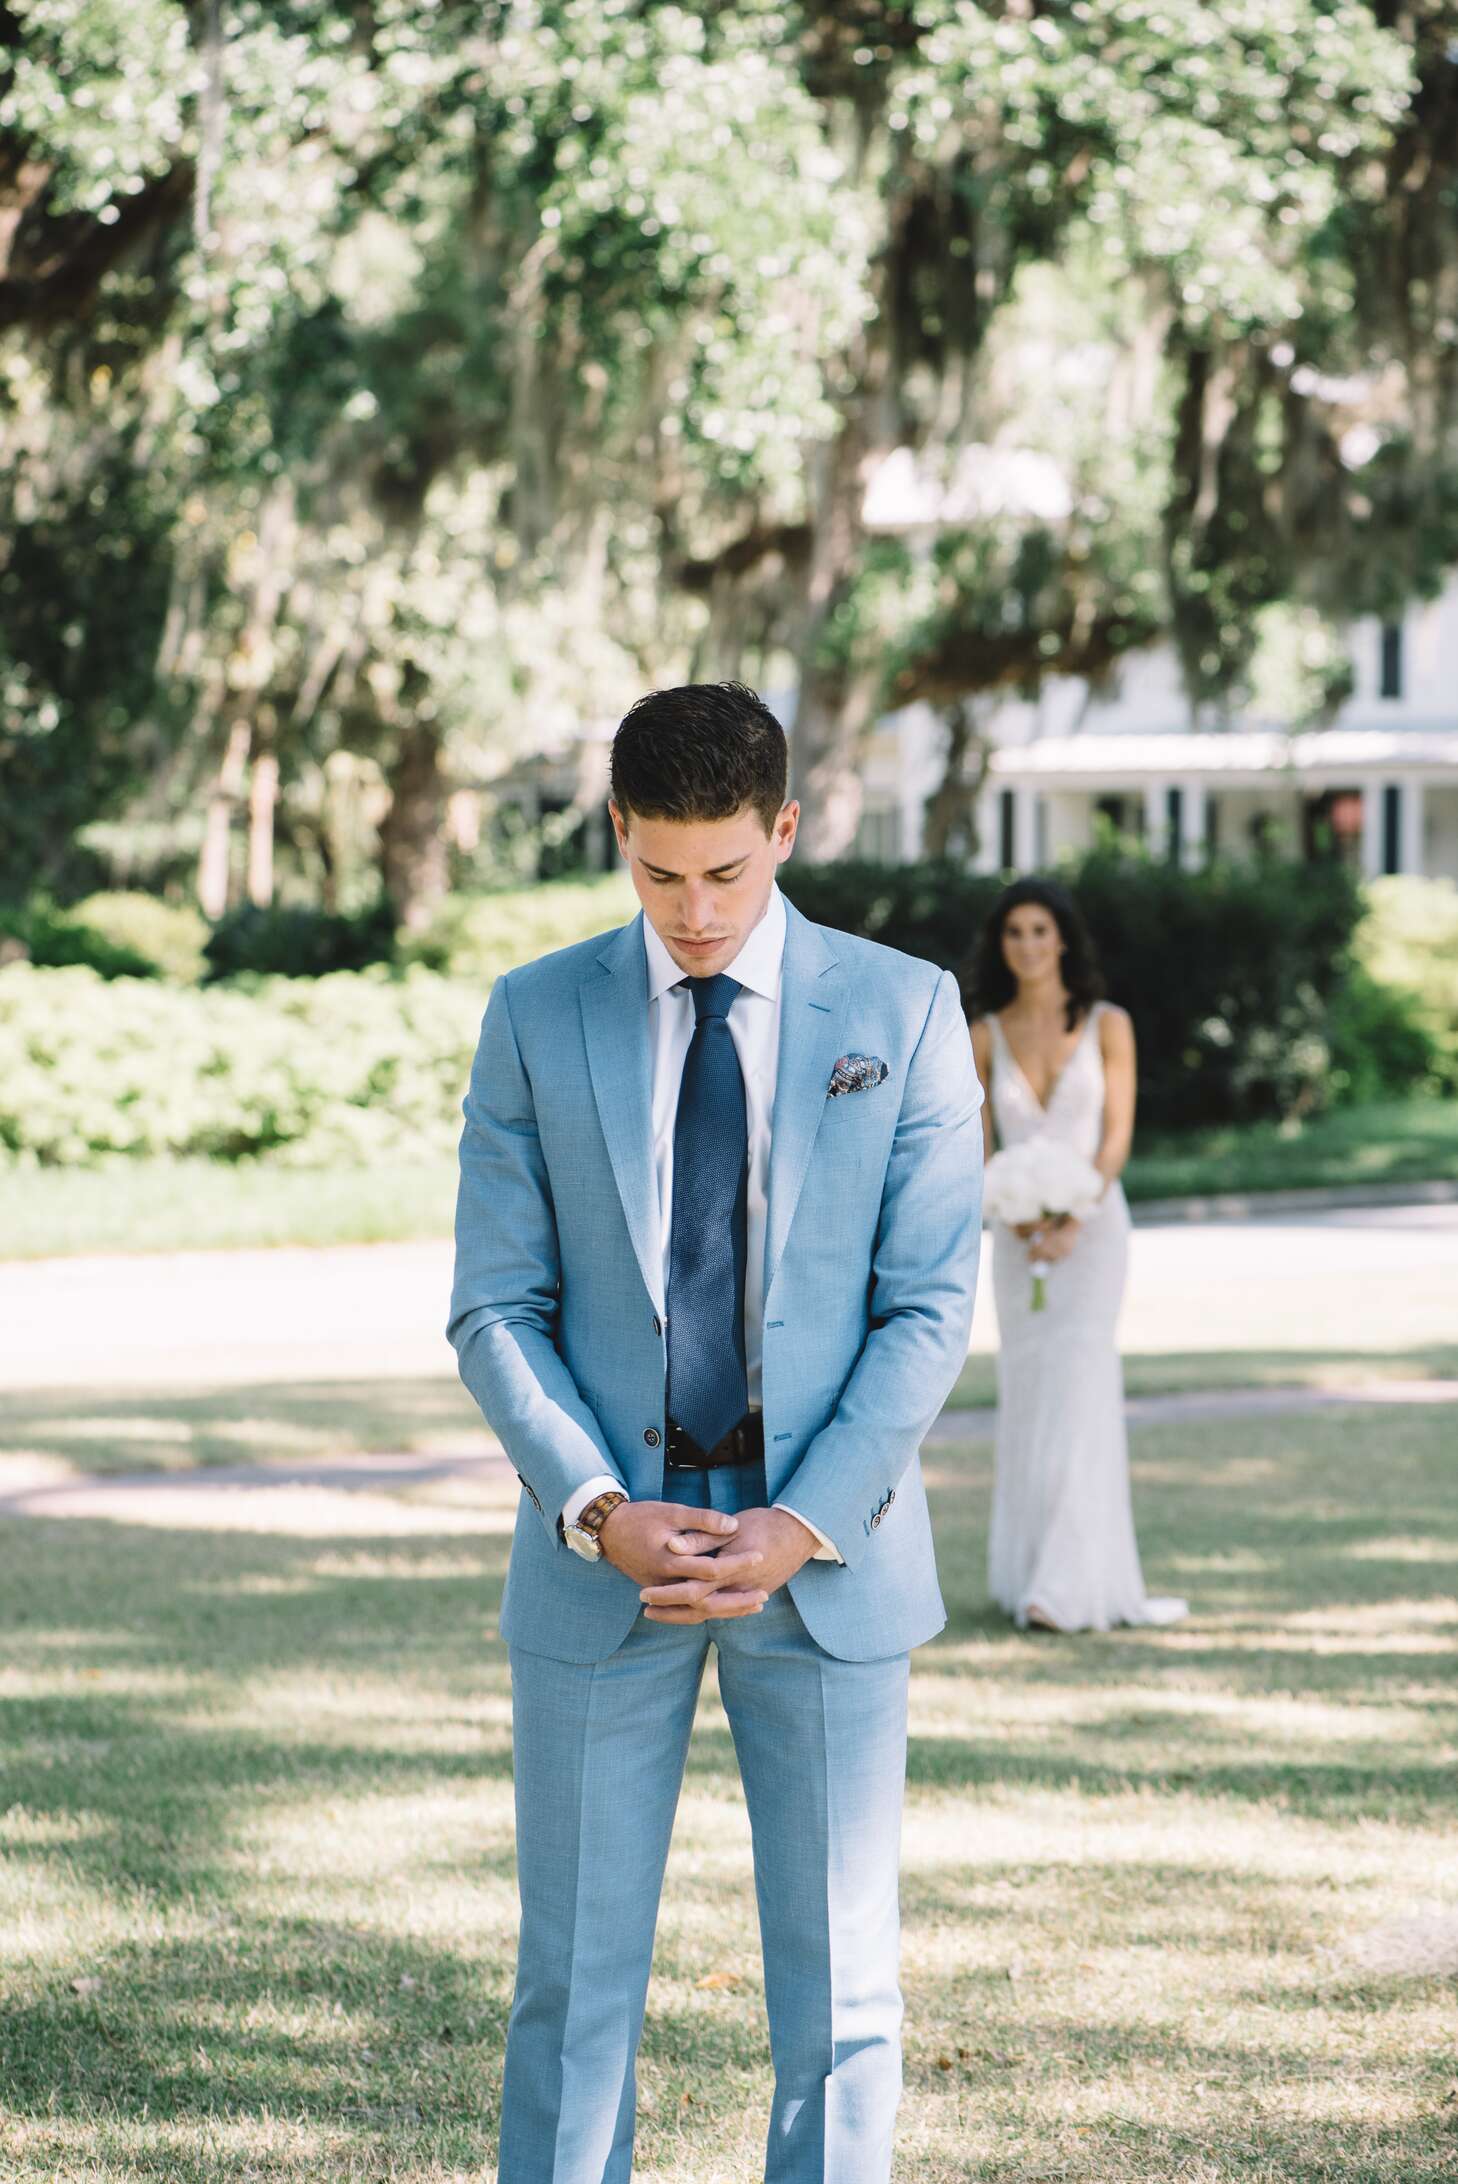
(992, 984)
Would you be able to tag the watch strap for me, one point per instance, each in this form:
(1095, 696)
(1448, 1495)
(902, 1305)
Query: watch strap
(592, 1519)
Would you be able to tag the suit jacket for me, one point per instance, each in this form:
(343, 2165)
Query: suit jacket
(871, 1247)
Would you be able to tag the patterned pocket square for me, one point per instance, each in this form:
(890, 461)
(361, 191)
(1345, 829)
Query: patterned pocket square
(856, 1073)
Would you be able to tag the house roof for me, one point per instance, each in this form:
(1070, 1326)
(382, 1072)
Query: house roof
(1175, 755)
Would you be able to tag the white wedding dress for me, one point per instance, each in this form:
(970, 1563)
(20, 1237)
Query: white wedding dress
(1062, 1540)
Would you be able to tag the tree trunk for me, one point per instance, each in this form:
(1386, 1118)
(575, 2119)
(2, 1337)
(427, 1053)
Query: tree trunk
(262, 804)
(839, 697)
(413, 859)
(213, 862)
(951, 811)
(833, 721)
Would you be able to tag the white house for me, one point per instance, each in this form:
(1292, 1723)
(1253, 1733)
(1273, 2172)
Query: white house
(1379, 786)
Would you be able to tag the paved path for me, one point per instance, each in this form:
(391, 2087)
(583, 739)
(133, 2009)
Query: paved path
(1370, 1278)
(362, 1493)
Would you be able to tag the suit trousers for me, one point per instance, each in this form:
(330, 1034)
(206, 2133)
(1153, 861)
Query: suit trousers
(600, 1750)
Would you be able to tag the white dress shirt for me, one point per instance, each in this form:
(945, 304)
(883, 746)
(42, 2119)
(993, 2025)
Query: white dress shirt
(754, 1026)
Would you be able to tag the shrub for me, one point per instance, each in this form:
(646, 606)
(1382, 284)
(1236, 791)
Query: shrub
(1408, 942)
(480, 936)
(1237, 978)
(55, 940)
(328, 1072)
(171, 937)
(295, 941)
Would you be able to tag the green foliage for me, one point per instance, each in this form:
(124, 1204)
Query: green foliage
(171, 937)
(334, 1071)
(1300, 667)
(83, 596)
(1380, 1045)
(507, 331)
(1239, 979)
(52, 939)
(1408, 942)
(294, 940)
(480, 936)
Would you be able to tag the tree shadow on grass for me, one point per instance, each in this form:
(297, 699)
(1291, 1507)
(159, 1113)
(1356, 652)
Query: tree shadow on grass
(376, 2041)
(166, 1685)
(1162, 1372)
(125, 1429)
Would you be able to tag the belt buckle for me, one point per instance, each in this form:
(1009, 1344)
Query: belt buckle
(677, 1438)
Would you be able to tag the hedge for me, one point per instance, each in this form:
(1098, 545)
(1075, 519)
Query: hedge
(1241, 981)
(1408, 944)
(329, 1072)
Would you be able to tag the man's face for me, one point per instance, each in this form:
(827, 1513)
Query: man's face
(703, 883)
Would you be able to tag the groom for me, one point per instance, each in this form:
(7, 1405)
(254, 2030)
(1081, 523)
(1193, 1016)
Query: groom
(716, 1247)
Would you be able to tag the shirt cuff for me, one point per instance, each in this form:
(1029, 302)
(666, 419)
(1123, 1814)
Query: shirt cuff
(827, 1551)
(575, 1503)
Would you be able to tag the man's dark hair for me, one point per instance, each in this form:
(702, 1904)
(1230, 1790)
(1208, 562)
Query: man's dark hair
(700, 752)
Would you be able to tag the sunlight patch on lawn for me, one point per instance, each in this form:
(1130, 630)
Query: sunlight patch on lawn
(1023, 1715)
(398, 1706)
(1009, 1826)
(296, 1511)
(1401, 1549)
(1421, 1945)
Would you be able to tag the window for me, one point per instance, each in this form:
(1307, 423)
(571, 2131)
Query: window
(1125, 814)
(1331, 825)
(1392, 828)
(1212, 826)
(878, 837)
(1389, 680)
(1006, 837)
(1174, 822)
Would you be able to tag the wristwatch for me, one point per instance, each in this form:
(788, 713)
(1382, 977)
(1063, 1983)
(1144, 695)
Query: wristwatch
(582, 1535)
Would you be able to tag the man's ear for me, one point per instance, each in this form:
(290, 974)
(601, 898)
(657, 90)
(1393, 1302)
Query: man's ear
(785, 828)
(620, 826)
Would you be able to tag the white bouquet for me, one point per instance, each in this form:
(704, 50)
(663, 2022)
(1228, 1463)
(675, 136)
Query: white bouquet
(1043, 1179)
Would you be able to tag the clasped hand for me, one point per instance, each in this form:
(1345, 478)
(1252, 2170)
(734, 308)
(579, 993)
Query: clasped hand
(702, 1565)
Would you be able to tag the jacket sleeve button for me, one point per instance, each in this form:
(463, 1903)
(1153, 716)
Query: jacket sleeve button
(652, 1436)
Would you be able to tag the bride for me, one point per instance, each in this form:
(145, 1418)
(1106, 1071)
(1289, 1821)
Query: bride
(1057, 1059)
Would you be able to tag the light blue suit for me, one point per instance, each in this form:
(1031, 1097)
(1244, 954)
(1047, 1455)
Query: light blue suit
(557, 1318)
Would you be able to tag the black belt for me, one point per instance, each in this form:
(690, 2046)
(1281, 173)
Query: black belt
(742, 1444)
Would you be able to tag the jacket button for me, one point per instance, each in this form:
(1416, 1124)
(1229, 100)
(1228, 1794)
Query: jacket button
(657, 1324)
(652, 1436)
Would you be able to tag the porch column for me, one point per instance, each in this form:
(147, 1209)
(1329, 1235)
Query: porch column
(1025, 829)
(1156, 818)
(1371, 830)
(1410, 826)
(985, 859)
(1192, 824)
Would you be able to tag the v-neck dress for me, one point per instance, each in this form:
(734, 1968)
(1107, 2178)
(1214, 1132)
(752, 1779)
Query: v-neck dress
(1062, 1537)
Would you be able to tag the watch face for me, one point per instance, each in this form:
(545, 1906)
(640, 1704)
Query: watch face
(582, 1543)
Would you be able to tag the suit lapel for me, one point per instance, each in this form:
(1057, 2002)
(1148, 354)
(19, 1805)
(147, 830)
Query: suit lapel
(812, 1013)
(615, 1027)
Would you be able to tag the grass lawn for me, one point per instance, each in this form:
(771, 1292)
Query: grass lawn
(1406, 1141)
(1179, 1905)
(50, 1435)
(185, 1205)
(199, 1205)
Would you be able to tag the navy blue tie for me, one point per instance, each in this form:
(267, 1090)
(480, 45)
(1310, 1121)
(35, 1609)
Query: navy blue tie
(708, 1384)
